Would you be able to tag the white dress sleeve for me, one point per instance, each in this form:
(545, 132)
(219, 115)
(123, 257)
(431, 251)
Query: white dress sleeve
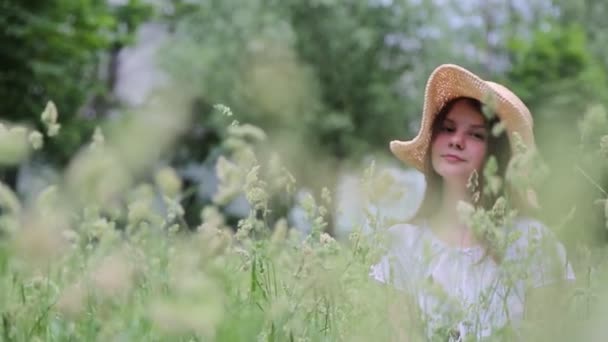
(397, 267)
(539, 254)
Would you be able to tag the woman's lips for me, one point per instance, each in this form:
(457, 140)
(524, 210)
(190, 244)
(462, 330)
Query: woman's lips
(452, 158)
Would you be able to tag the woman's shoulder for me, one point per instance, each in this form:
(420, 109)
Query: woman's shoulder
(406, 229)
(406, 233)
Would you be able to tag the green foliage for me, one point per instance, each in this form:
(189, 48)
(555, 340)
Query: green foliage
(563, 83)
(56, 50)
(317, 76)
(555, 66)
(593, 14)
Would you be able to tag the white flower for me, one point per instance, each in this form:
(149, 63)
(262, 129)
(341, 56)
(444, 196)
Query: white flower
(224, 110)
(168, 181)
(49, 115)
(53, 130)
(8, 200)
(326, 239)
(98, 138)
(14, 145)
(36, 140)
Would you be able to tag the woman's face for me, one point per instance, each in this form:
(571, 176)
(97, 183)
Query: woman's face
(460, 145)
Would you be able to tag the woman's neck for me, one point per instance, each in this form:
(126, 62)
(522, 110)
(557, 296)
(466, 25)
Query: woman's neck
(447, 223)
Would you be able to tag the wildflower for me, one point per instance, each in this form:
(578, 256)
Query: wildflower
(174, 209)
(143, 192)
(308, 204)
(14, 145)
(98, 177)
(254, 189)
(211, 218)
(245, 227)
(235, 144)
(246, 131)
(185, 316)
(318, 226)
(326, 239)
(36, 140)
(98, 139)
(498, 129)
(354, 236)
(257, 197)
(518, 144)
(72, 300)
(100, 228)
(70, 236)
(230, 183)
(168, 181)
(196, 304)
(8, 200)
(290, 182)
(215, 241)
(224, 110)
(39, 240)
(526, 170)
(280, 231)
(500, 207)
(326, 195)
(493, 181)
(40, 283)
(113, 276)
(280, 176)
(473, 181)
(48, 199)
(8, 225)
(138, 211)
(53, 130)
(489, 106)
(49, 115)
(49, 119)
(594, 122)
(173, 229)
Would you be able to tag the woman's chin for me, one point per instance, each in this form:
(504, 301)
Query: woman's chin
(454, 172)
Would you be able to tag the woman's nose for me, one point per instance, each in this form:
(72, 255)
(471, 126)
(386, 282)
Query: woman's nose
(456, 141)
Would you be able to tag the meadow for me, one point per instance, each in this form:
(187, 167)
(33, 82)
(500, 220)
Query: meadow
(105, 254)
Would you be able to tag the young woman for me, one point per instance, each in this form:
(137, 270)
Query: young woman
(470, 279)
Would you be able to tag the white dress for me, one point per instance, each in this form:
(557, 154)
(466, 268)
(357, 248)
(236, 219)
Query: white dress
(476, 296)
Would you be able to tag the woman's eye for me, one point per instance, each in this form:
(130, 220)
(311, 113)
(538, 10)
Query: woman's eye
(447, 129)
(479, 136)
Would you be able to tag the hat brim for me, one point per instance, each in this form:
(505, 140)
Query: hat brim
(450, 81)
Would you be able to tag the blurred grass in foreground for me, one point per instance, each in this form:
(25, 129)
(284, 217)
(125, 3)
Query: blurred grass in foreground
(106, 255)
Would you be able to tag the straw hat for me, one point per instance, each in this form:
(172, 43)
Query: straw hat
(450, 81)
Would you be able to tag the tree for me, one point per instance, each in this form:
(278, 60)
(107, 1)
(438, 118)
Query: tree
(56, 50)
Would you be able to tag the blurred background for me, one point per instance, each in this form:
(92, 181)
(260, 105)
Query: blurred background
(330, 82)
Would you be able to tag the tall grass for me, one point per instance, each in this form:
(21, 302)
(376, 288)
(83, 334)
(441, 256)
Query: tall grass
(105, 254)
